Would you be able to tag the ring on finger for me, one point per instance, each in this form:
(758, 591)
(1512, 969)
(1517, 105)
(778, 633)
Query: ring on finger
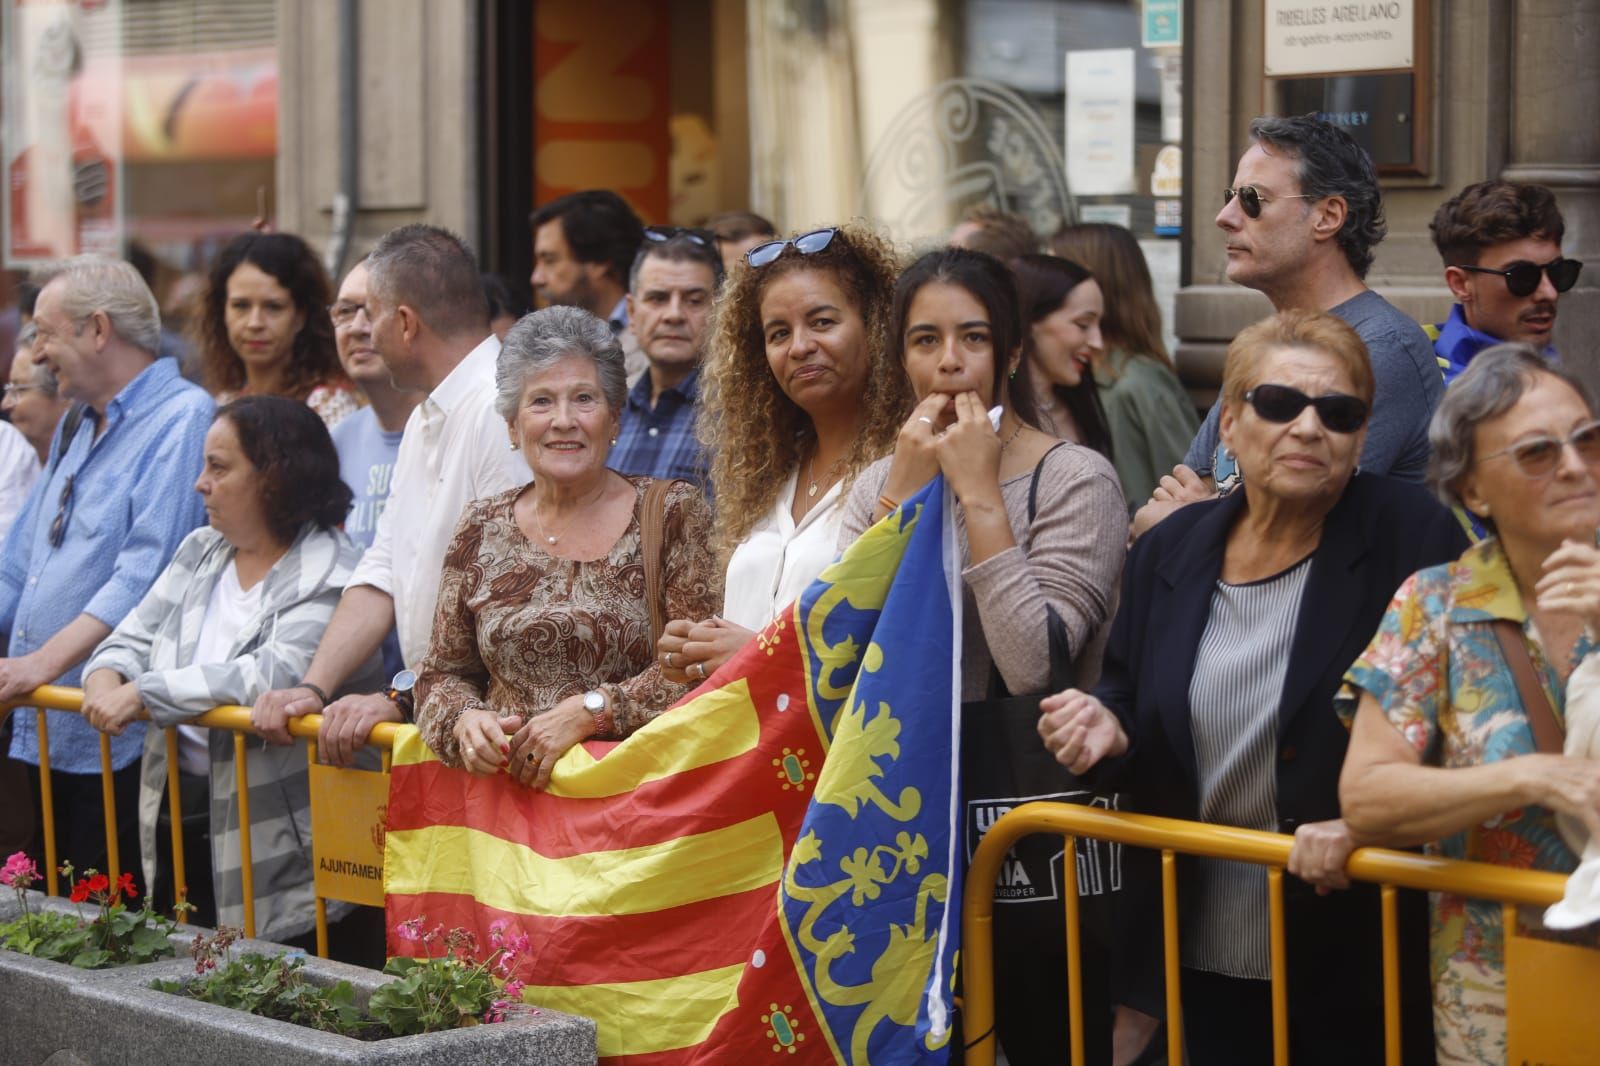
(925, 418)
(700, 671)
(670, 660)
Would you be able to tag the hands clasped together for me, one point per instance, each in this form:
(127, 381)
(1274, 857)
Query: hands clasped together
(525, 747)
(951, 435)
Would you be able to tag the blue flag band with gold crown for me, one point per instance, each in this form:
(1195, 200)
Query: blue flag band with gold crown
(770, 868)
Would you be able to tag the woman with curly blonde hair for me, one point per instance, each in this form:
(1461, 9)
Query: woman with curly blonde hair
(801, 391)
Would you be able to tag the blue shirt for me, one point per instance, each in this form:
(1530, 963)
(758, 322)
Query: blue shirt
(1455, 343)
(659, 441)
(132, 502)
(367, 454)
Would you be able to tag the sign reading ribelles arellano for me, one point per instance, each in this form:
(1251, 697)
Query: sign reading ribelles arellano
(1335, 38)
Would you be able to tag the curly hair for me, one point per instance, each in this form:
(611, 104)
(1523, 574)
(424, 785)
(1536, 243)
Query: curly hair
(753, 431)
(293, 454)
(313, 359)
(1329, 162)
(1490, 213)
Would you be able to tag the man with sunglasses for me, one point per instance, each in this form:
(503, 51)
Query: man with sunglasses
(584, 244)
(1302, 221)
(102, 521)
(675, 278)
(1501, 246)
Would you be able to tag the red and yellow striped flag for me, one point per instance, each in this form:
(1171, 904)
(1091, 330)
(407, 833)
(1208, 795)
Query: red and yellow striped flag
(644, 873)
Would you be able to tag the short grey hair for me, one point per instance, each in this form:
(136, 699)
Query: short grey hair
(540, 340)
(1490, 386)
(93, 283)
(42, 376)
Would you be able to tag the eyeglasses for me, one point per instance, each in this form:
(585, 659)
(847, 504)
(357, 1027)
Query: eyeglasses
(1539, 456)
(1250, 199)
(1522, 278)
(58, 528)
(662, 234)
(13, 390)
(1280, 403)
(806, 244)
(344, 313)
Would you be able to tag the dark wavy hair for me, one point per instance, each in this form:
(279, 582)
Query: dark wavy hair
(290, 448)
(313, 359)
(1490, 213)
(599, 227)
(1043, 283)
(992, 285)
(1329, 162)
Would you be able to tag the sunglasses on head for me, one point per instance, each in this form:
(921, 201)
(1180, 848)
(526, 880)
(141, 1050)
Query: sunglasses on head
(1280, 403)
(662, 234)
(1250, 199)
(1539, 456)
(1522, 278)
(806, 244)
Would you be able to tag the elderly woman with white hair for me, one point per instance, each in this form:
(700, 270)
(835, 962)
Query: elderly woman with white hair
(543, 633)
(1456, 738)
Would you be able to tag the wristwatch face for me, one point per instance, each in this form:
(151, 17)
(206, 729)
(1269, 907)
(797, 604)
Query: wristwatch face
(404, 681)
(593, 701)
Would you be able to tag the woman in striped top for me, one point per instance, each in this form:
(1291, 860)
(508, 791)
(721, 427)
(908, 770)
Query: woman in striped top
(1239, 616)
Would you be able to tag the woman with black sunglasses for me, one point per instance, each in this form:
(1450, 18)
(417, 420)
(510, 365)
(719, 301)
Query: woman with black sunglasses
(1450, 747)
(800, 393)
(1239, 617)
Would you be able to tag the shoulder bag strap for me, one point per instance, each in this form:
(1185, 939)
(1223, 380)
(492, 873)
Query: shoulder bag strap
(652, 535)
(1548, 736)
(1060, 643)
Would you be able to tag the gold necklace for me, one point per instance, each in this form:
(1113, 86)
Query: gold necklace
(1014, 433)
(578, 514)
(813, 488)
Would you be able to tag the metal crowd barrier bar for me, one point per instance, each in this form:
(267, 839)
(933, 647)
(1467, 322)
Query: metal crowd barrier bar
(237, 719)
(1389, 869)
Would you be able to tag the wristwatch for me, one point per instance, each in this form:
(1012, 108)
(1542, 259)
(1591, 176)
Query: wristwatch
(594, 701)
(399, 692)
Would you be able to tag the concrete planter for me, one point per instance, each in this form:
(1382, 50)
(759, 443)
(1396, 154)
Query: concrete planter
(69, 1017)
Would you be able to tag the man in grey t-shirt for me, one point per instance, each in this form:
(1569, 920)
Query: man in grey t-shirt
(1302, 220)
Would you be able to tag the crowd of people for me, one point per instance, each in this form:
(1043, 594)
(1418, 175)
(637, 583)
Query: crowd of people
(400, 500)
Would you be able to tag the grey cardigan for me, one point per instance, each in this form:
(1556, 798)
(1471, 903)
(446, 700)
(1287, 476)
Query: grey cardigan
(155, 646)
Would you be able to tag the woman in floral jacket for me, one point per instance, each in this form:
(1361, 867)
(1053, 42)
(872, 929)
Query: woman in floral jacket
(239, 611)
(1443, 750)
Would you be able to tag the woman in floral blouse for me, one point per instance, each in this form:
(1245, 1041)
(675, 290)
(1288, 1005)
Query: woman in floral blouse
(1442, 749)
(542, 634)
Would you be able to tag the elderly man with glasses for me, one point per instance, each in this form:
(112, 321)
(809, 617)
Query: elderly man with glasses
(104, 519)
(1301, 222)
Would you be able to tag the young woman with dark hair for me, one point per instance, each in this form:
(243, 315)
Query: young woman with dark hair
(264, 327)
(1062, 307)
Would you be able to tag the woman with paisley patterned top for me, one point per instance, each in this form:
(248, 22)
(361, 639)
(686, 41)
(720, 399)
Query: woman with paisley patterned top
(542, 634)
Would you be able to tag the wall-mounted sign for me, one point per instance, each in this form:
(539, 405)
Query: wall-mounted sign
(1306, 37)
(1099, 136)
(1376, 109)
(1162, 23)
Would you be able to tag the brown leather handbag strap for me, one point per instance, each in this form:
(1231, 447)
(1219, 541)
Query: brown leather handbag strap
(652, 535)
(1548, 736)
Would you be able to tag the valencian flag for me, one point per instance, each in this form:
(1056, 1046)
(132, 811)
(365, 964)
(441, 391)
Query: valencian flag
(770, 869)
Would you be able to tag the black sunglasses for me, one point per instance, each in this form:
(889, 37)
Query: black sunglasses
(1280, 403)
(1522, 278)
(1250, 199)
(58, 528)
(1539, 456)
(662, 234)
(806, 244)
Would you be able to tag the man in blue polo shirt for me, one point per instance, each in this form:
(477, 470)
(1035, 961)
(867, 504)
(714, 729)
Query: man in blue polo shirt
(671, 287)
(1501, 246)
(102, 521)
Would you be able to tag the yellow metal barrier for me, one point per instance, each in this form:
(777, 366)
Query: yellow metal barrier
(1389, 869)
(237, 719)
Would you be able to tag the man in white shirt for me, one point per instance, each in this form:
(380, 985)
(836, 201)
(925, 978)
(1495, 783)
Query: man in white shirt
(430, 325)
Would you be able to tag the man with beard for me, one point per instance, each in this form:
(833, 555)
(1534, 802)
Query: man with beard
(583, 248)
(1501, 245)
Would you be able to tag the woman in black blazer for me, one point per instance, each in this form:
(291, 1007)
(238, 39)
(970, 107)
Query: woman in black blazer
(1238, 619)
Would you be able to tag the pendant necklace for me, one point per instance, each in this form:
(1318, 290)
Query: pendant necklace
(548, 538)
(1014, 433)
(814, 487)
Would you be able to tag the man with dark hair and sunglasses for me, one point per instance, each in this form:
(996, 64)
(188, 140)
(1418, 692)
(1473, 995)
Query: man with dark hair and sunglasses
(584, 244)
(106, 515)
(675, 278)
(1302, 221)
(1501, 246)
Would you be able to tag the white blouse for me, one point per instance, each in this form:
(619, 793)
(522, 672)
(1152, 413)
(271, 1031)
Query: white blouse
(777, 559)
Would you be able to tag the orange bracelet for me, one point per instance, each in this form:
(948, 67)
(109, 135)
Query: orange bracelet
(888, 504)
